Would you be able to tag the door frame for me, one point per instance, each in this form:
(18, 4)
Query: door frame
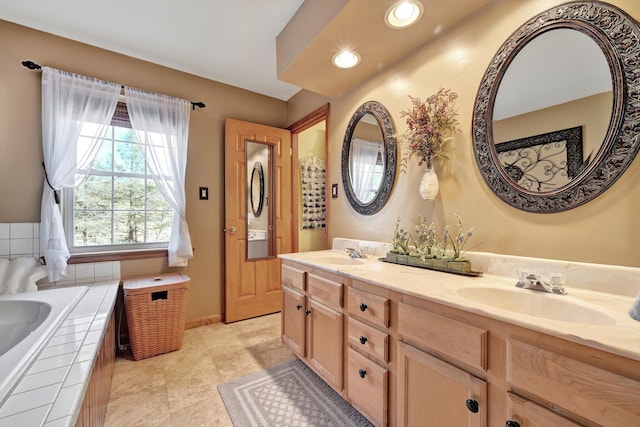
(311, 119)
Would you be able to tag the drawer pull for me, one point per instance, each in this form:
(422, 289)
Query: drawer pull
(299, 306)
(362, 373)
(512, 424)
(363, 306)
(363, 339)
(307, 312)
(472, 405)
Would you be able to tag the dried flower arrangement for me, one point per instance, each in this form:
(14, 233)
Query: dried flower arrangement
(430, 124)
(425, 249)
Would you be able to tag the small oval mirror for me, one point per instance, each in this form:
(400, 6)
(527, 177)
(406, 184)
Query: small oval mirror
(257, 189)
(369, 158)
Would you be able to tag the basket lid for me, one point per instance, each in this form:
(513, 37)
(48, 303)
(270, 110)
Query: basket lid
(160, 280)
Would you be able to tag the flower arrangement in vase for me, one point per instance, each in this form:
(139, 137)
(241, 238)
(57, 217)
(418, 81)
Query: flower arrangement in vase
(430, 125)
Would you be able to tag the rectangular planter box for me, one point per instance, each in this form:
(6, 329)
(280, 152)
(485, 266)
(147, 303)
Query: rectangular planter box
(441, 264)
(462, 266)
(393, 257)
(414, 260)
(402, 259)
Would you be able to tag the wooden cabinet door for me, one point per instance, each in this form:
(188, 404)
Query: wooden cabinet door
(529, 414)
(432, 392)
(325, 344)
(293, 320)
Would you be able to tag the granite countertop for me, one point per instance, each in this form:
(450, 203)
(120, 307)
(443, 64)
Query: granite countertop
(51, 391)
(591, 316)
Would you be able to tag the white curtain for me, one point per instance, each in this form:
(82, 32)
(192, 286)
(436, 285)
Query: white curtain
(161, 123)
(364, 155)
(71, 104)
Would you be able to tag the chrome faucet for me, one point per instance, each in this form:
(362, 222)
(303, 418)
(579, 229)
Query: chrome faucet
(536, 283)
(355, 253)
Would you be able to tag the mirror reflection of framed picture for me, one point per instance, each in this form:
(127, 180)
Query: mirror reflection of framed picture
(544, 162)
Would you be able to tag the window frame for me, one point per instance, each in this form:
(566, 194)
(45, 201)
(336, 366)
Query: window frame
(119, 119)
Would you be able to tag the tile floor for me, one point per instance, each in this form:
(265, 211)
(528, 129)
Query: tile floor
(180, 388)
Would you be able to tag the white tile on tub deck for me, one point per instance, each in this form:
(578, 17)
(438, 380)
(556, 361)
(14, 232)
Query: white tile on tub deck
(66, 402)
(58, 350)
(21, 402)
(41, 379)
(52, 363)
(20, 247)
(21, 230)
(4, 230)
(60, 422)
(79, 373)
(34, 417)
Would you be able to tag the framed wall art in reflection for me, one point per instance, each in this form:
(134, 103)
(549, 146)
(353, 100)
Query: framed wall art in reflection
(544, 162)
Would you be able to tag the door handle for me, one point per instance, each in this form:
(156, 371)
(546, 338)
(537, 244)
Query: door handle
(232, 230)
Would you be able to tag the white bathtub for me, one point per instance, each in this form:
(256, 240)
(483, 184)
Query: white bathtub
(27, 321)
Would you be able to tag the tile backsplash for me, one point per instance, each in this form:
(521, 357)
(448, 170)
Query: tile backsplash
(23, 240)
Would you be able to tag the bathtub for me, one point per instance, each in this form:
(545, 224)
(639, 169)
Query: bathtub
(27, 321)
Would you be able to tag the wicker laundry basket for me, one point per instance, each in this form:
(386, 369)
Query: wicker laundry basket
(156, 309)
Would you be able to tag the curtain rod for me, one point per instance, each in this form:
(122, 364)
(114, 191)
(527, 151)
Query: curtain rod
(33, 66)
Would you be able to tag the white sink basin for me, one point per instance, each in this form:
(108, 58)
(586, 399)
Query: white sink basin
(538, 304)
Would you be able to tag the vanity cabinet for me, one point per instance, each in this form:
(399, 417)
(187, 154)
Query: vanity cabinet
(434, 389)
(313, 321)
(405, 359)
(368, 354)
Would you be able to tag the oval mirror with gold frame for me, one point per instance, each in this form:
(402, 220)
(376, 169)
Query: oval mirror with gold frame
(558, 168)
(369, 158)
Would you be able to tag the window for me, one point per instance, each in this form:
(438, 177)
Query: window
(118, 205)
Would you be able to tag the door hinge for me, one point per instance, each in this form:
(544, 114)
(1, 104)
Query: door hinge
(290, 151)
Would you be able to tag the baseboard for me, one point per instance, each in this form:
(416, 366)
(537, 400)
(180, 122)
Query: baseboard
(210, 320)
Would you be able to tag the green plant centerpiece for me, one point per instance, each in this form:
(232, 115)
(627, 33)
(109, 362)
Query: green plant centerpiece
(426, 249)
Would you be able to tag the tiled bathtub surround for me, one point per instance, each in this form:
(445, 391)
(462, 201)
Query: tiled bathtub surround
(20, 239)
(51, 391)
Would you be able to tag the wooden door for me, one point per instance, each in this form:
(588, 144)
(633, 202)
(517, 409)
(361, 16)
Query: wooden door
(432, 392)
(252, 287)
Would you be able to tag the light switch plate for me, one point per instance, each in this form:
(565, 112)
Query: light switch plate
(334, 191)
(204, 193)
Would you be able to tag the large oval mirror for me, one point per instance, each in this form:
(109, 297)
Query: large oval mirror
(369, 158)
(554, 121)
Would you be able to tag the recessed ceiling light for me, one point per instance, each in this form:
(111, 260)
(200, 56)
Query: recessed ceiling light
(346, 59)
(404, 13)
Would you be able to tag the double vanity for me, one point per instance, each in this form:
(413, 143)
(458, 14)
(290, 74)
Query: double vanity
(407, 346)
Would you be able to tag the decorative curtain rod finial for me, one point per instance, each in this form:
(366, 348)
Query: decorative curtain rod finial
(31, 65)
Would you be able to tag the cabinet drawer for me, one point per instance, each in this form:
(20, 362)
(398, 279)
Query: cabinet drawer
(325, 290)
(454, 339)
(601, 396)
(293, 277)
(370, 307)
(369, 340)
(367, 389)
(529, 414)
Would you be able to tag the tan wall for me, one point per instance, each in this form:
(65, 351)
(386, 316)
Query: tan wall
(21, 174)
(604, 231)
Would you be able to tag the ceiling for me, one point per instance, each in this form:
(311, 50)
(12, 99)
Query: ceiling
(234, 41)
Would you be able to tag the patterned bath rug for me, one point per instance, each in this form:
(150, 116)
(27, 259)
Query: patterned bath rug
(289, 394)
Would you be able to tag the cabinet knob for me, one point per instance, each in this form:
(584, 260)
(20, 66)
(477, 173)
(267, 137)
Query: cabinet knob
(299, 306)
(363, 306)
(472, 405)
(307, 312)
(362, 373)
(511, 423)
(363, 339)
